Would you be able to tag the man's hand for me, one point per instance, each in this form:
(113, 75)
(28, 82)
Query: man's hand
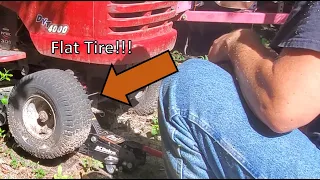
(220, 48)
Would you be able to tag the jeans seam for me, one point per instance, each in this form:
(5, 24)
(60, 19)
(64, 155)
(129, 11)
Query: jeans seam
(180, 160)
(186, 114)
(172, 135)
(181, 163)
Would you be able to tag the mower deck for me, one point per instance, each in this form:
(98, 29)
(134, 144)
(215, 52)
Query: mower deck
(9, 55)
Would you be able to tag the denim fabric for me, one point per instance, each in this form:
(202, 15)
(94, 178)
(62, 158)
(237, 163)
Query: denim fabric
(208, 131)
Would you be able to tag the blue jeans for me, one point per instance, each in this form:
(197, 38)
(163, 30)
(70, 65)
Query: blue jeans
(208, 131)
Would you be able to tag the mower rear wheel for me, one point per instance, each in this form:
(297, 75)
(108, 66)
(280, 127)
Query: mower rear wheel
(49, 113)
(147, 99)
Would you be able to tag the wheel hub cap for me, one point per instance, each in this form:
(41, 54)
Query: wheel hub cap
(38, 117)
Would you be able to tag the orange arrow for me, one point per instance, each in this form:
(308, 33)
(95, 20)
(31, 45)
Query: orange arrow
(119, 86)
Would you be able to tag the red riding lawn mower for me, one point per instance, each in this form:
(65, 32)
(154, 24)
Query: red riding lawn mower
(59, 54)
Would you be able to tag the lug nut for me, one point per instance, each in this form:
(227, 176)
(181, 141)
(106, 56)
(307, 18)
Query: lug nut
(129, 165)
(93, 139)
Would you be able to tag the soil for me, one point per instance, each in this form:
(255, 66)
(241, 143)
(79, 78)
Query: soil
(15, 163)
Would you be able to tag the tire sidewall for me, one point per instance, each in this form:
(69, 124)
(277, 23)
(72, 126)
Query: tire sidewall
(17, 126)
(70, 104)
(148, 101)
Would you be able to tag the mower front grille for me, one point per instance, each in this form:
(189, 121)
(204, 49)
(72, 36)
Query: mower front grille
(133, 16)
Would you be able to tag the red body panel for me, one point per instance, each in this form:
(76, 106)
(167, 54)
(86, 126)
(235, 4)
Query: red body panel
(8, 56)
(228, 17)
(234, 17)
(148, 25)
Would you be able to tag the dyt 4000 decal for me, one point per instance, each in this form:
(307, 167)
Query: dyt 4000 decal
(51, 27)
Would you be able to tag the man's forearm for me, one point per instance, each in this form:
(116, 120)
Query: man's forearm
(253, 65)
(282, 90)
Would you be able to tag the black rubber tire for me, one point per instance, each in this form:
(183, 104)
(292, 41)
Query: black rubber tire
(70, 104)
(148, 102)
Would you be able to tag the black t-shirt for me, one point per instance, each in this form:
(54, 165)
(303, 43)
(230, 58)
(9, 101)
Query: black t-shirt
(302, 30)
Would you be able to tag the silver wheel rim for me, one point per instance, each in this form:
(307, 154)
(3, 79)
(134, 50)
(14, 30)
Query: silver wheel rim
(140, 93)
(39, 117)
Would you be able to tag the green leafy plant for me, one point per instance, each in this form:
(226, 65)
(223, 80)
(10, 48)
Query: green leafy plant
(4, 100)
(205, 57)
(177, 56)
(265, 41)
(5, 76)
(155, 127)
(2, 133)
(60, 175)
(14, 163)
(39, 173)
(90, 164)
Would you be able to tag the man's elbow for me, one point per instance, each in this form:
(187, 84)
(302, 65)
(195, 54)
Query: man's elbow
(280, 129)
(285, 121)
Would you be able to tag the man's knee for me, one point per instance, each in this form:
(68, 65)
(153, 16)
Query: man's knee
(198, 73)
(199, 86)
(200, 66)
(198, 77)
(195, 62)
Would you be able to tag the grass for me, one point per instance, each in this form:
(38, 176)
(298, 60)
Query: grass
(155, 131)
(178, 57)
(90, 164)
(39, 173)
(60, 175)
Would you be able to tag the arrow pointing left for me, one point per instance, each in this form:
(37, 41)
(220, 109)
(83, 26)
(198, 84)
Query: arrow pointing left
(119, 86)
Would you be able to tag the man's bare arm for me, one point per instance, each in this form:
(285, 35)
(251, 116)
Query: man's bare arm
(283, 91)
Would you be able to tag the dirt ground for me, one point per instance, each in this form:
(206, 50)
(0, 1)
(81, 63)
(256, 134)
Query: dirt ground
(15, 163)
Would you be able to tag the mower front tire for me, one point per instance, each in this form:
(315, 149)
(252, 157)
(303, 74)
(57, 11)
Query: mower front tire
(49, 113)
